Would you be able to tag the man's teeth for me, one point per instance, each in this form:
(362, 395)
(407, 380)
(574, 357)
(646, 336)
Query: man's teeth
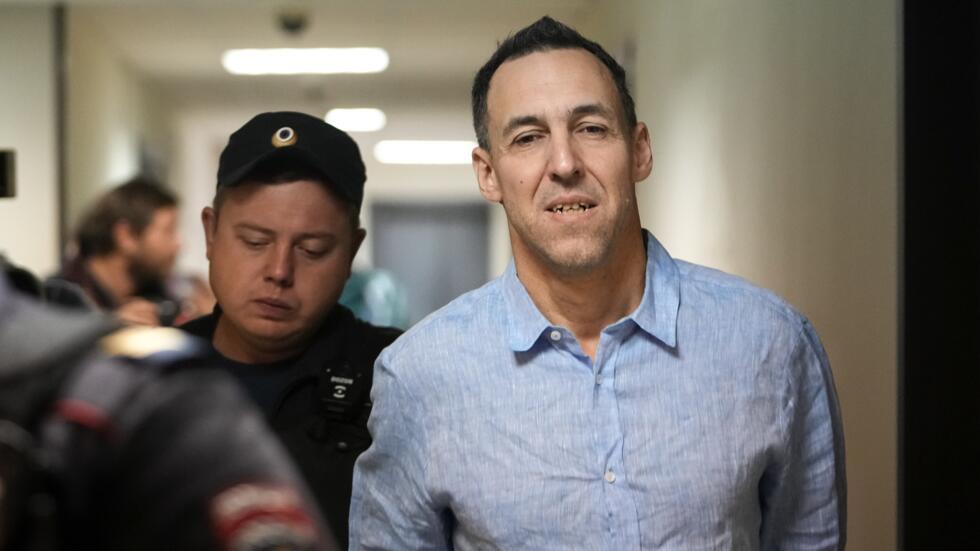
(573, 207)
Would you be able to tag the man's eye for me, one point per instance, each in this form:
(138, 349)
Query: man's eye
(593, 129)
(253, 243)
(314, 252)
(526, 139)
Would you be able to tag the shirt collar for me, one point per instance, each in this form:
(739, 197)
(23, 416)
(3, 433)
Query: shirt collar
(656, 314)
(526, 321)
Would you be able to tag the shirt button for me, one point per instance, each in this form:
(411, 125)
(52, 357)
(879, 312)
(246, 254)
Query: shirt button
(598, 379)
(556, 335)
(610, 476)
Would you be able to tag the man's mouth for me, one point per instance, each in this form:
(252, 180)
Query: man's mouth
(570, 207)
(273, 303)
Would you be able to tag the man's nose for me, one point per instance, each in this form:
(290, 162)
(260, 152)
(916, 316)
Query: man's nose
(565, 164)
(280, 265)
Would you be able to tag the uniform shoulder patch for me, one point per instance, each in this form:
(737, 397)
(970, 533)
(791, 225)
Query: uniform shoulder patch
(257, 516)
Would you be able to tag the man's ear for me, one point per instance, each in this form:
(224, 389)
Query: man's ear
(125, 239)
(358, 237)
(642, 154)
(209, 219)
(486, 177)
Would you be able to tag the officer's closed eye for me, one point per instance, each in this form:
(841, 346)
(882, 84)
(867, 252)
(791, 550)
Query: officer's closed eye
(314, 252)
(316, 247)
(253, 243)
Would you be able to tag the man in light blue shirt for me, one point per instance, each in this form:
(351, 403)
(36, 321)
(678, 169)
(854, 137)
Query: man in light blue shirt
(599, 394)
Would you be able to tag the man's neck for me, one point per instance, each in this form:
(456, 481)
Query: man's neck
(588, 302)
(112, 273)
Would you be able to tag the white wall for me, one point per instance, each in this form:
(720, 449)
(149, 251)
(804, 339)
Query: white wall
(775, 138)
(28, 222)
(113, 116)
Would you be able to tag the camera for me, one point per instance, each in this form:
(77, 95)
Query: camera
(293, 22)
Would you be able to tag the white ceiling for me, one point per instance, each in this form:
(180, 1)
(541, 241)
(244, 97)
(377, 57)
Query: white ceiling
(435, 46)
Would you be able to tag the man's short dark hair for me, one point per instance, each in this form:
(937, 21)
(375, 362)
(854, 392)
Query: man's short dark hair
(285, 169)
(134, 202)
(543, 35)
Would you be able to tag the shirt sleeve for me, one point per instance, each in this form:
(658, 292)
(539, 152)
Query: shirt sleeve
(391, 507)
(804, 492)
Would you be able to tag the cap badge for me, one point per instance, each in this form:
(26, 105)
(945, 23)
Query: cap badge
(283, 137)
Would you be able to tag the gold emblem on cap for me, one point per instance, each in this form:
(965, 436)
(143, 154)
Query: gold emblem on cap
(283, 137)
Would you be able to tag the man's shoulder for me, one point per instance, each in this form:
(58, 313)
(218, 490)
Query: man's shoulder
(719, 294)
(473, 314)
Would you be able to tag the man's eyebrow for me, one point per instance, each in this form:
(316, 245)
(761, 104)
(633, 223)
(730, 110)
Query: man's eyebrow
(316, 235)
(592, 109)
(301, 237)
(518, 121)
(253, 227)
(577, 111)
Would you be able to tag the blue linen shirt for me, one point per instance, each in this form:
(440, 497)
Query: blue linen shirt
(708, 420)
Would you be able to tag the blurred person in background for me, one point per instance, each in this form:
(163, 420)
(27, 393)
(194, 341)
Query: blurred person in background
(127, 244)
(376, 297)
(281, 235)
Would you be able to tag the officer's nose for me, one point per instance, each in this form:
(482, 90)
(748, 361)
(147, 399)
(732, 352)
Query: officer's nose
(279, 269)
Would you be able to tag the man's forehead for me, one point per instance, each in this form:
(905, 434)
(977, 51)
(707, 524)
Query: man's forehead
(165, 212)
(259, 205)
(558, 81)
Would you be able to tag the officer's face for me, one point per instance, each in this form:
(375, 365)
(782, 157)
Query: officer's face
(280, 256)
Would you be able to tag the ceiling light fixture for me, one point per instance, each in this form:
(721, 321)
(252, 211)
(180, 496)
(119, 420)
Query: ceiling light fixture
(424, 152)
(297, 61)
(357, 120)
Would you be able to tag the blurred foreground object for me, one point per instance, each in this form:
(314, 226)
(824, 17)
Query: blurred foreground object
(121, 439)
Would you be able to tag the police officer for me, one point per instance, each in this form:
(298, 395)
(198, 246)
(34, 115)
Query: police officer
(281, 235)
(121, 439)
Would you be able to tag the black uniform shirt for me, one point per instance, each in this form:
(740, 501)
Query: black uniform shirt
(324, 445)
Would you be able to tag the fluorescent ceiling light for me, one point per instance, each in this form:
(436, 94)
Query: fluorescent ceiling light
(296, 61)
(357, 120)
(424, 152)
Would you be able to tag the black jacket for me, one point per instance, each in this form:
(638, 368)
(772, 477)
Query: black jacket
(131, 442)
(319, 404)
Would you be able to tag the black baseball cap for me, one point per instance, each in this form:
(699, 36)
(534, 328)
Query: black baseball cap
(311, 140)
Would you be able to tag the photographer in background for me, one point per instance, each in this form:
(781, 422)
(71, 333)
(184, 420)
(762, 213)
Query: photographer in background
(127, 244)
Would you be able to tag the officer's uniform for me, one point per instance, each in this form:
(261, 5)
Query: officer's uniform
(120, 440)
(318, 403)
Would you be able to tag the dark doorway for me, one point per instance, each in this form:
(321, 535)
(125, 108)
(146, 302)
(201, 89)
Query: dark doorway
(939, 398)
(437, 252)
